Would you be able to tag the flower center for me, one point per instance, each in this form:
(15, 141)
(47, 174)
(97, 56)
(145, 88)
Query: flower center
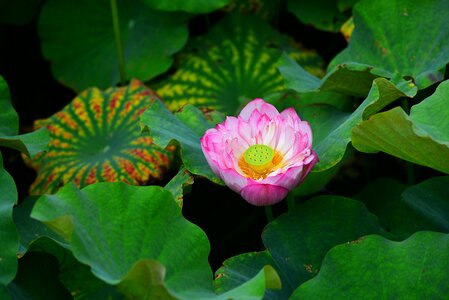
(259, 161)
(258, 155)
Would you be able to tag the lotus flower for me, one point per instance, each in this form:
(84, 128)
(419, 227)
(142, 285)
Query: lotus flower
(262, 154)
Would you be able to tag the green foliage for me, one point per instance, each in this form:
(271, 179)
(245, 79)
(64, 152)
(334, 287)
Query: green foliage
(390, 39)
(8, 233)
(192, 6)
(134, 248)
(323, 14)
(365, 269)
(91, 239)
(297, 242)
(421, 138)
(184, 128)
(78, 38)
(233, 64)
(96, 138)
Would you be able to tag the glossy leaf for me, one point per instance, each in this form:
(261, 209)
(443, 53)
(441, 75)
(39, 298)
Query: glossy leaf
(349, 78)
(297, 242)
(8, 234)
(78, 39)
(420, 138)
(389, 38)
(30, 143)
(365, 269)
(332, 129)
(96, 138)
(125, 240)
(323, 14)
(233, 64)
(37, 278)
(166, 127)
(192, 6)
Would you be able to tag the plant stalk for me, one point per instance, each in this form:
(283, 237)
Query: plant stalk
(290, 201)
(118, 42)
(269, 213)
(408, 165)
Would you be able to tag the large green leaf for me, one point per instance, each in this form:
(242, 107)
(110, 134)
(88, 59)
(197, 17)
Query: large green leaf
(421, 138)
(37, 278)
(349, 78)
(192, 6)
(234, 63)
(298, 241)
(96, 138)
(8, 233)
(78, 39)
(137, 238)
(186, 130)
(388, 42)
(31, 143)
(376, 268)
(403, 211)
(323, 14)
(332, 128)
(400, 37)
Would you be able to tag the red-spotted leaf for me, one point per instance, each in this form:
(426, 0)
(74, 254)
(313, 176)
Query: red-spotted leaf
(97, 138)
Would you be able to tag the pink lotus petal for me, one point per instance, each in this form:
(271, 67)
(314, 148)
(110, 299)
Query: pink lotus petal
(260, 123)
(260, 105)
(263, 194)
(233, 179)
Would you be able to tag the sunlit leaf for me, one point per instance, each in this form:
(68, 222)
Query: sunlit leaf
(298, 241)
(234, 63)
(136, 237)
(78, 39)
(376, 268)
(185, 128)
(97, 138)
(332, 128)
(389, 37)
(420, 138)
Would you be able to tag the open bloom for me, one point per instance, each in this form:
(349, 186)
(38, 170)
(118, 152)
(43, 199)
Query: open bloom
(262, 154)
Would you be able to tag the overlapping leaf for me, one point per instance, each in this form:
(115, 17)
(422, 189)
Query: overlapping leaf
(421, 138)
(96, 138)
(137, 238)
(78, 39)
(376, 268)
(8, 233)
(185, 128)
(298, 241)
(30, 143)
(324, 14)
(332, 128)
(234, 63)
(387, 42)
(265, 9)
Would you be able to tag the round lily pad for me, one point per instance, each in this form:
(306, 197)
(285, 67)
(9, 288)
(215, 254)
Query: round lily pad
(231, 65)
(78, 39)
(97, 138)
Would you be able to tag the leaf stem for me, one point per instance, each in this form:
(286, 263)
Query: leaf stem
(118, 42)
(290, 201)
(269, 213)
